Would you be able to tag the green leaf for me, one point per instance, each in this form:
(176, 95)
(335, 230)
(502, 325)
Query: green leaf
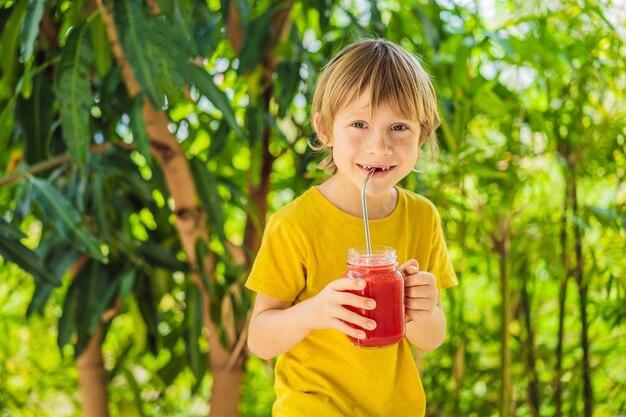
(7, 230)
(376, 23)
(74, 95)
(19, 254)
(101, 207)
(202, 251)
(59, 256)
(6, 126)
(67, 322)
(35, 117)
(140, 330)
(30, 28)
(173, 368)
(91, 282)
(257, 35)
(65, 217)
(218, 140)
(127, 280)
(255, 115)
(127, 408)
(10, 39)
(103, 58)
(147, 303)
(173, 51)
(206, 86)
(289, 79)
(193, 328)
(135, 39)
(139, 129)
(40, 297)
(206, 185)
(158, 256)
(204, 27)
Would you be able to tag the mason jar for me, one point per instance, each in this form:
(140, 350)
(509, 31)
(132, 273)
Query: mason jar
(385, 284)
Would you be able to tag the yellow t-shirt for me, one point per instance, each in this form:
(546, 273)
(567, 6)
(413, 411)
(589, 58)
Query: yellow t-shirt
(304, 248)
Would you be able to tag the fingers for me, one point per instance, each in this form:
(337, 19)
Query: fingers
(421, 292)
(345, 328)
(423, 304)
(340, 296)
(409, 267)
(419, 279)
(349, 299)
(344, 284)
(335, 307)
(351, 317)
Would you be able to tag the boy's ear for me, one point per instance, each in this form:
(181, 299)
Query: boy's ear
(321, 133)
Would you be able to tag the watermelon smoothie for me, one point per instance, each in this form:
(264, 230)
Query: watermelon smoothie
(384, 284)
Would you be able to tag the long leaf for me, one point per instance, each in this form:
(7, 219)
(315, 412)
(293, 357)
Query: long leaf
(7, 230)
(101, 206)
(139, 129)
(30, 27)
(60, 212)
(6, 126)
(157, 256)
(85, 284)
(103, 58)
(74, 94)
(35, 116)
(175, 51)
(59, 257)
(289, 76)
(147, 303)
(67, 322)
(134, 37)
(40, 297)
(257, 34)
(10, 40)
(206, 86)
(19, 254)
(202, 250)
(193, 328)
(207, 189)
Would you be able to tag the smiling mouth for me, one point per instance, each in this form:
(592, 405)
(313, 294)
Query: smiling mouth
(382, 168)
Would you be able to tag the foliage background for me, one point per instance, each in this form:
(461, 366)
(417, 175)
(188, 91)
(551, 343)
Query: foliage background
(532, 97)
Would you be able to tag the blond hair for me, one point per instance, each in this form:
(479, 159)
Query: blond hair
(394, 77)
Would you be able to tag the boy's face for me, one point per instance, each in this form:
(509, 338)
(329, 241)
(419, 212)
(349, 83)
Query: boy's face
(385, 140)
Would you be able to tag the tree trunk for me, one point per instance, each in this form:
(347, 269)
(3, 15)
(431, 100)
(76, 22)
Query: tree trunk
(191, 225)
(582, 292)
(558, 385)
(502, 248)
(92, 379)
(531, 360)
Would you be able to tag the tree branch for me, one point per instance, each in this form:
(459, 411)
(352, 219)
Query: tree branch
(60, 160)
(234, 27)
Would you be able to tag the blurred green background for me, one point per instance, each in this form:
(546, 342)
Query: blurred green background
(144, 143)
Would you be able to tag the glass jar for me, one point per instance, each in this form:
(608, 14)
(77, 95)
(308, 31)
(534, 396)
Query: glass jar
(385, 284)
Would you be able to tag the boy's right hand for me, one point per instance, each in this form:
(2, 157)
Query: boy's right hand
(327, 309)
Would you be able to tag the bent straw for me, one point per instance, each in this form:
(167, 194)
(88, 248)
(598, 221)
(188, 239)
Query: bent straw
(364, 206)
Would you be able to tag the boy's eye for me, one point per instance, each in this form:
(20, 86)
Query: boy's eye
(358, 125)
(399, 128)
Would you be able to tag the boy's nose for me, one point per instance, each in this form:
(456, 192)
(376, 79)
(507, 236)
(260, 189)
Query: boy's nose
(379, 144)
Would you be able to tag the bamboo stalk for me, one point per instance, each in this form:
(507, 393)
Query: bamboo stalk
(531, 359)
(502, 249)
(582, 292)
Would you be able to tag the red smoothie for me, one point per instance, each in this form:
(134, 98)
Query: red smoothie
(385, 284)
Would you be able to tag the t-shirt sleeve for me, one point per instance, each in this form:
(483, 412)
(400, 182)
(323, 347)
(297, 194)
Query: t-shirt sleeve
(279, 269)
(440, 264)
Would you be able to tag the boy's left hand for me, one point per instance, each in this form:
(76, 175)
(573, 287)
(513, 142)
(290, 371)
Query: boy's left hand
(421, 294)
